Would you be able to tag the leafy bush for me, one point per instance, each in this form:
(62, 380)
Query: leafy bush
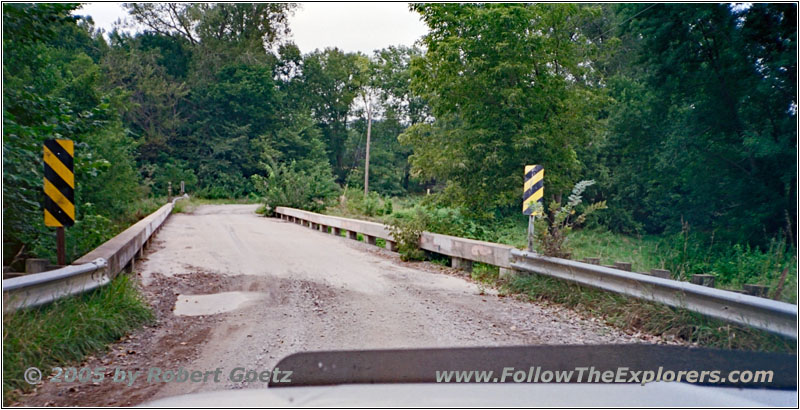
(292, 186)
(387, 207)
(373, 204)
(406, 230)
(562, 218)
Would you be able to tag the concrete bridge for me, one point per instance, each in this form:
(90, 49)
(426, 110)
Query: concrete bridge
(233, 289)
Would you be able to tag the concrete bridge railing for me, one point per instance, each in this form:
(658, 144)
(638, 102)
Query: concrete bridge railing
(765, 314)
(462, 252)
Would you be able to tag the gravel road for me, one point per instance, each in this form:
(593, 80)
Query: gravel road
(233, 289)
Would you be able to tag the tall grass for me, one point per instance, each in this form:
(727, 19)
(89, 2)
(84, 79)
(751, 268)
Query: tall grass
(66, 331)
(641, 316)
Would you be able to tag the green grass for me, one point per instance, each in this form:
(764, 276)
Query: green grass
(68, 330)
(643, 253)
(632, 315)
(635, 315)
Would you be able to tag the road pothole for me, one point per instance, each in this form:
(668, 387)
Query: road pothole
(212, 304)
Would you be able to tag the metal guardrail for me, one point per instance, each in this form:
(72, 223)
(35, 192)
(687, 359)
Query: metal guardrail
(45, 287)
(93, 270)
(765, 314)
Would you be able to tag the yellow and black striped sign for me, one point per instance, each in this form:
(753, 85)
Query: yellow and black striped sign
(59, 183)
(533, 190)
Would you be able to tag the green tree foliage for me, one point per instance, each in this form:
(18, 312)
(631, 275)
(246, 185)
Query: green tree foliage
(507, 84)
(396, 108)
(53, 89)
(685, 115)
(704, 125)
(226, 94)
(330, 86)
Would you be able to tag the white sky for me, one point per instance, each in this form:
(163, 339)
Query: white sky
(350, 26)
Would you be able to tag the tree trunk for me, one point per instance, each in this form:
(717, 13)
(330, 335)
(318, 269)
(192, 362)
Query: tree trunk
(366, 162)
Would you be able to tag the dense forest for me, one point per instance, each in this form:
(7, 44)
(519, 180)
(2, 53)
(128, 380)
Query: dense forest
(684, 115)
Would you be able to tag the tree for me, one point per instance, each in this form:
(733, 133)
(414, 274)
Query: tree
(329, 80)
(507, 84)
(52, 88)
(705, 119)
(393, 77)
(256, 24)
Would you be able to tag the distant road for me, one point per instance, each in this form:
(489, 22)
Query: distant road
(269, 288)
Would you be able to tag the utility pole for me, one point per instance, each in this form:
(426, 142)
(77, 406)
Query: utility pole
(369, 132)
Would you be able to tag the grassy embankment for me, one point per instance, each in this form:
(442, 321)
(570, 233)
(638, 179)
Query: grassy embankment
(681, 253)
(68, 330)
(65, 332)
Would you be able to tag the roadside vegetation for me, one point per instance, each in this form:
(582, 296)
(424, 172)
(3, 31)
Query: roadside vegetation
(65, 332)
(682, 253)
(637, 316)
(732, 267)
(683, 115)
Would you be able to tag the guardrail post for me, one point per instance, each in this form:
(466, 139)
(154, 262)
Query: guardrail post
(371, 240)
(704, 280)
(507, 273)
(337, 231)
(756, 290)
(169, 191)
(626, 266)
(352, 235)
(593, 261)
(661, 273)
(391, 245)
(183, 187)
(34, 265)
(460, 263)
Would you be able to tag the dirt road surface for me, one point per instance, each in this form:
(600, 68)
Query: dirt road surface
(233, 289)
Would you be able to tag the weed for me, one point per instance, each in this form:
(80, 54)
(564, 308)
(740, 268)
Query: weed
(67, 330)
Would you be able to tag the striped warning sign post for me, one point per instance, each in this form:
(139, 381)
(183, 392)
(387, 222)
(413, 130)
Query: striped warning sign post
(59, 189)
(533, 190)
(532, 194)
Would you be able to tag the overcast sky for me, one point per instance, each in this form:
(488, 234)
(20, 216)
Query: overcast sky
(350, 26)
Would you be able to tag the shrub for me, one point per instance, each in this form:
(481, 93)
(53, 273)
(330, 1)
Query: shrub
(406, 230)
(562, 218)
(289, 185)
